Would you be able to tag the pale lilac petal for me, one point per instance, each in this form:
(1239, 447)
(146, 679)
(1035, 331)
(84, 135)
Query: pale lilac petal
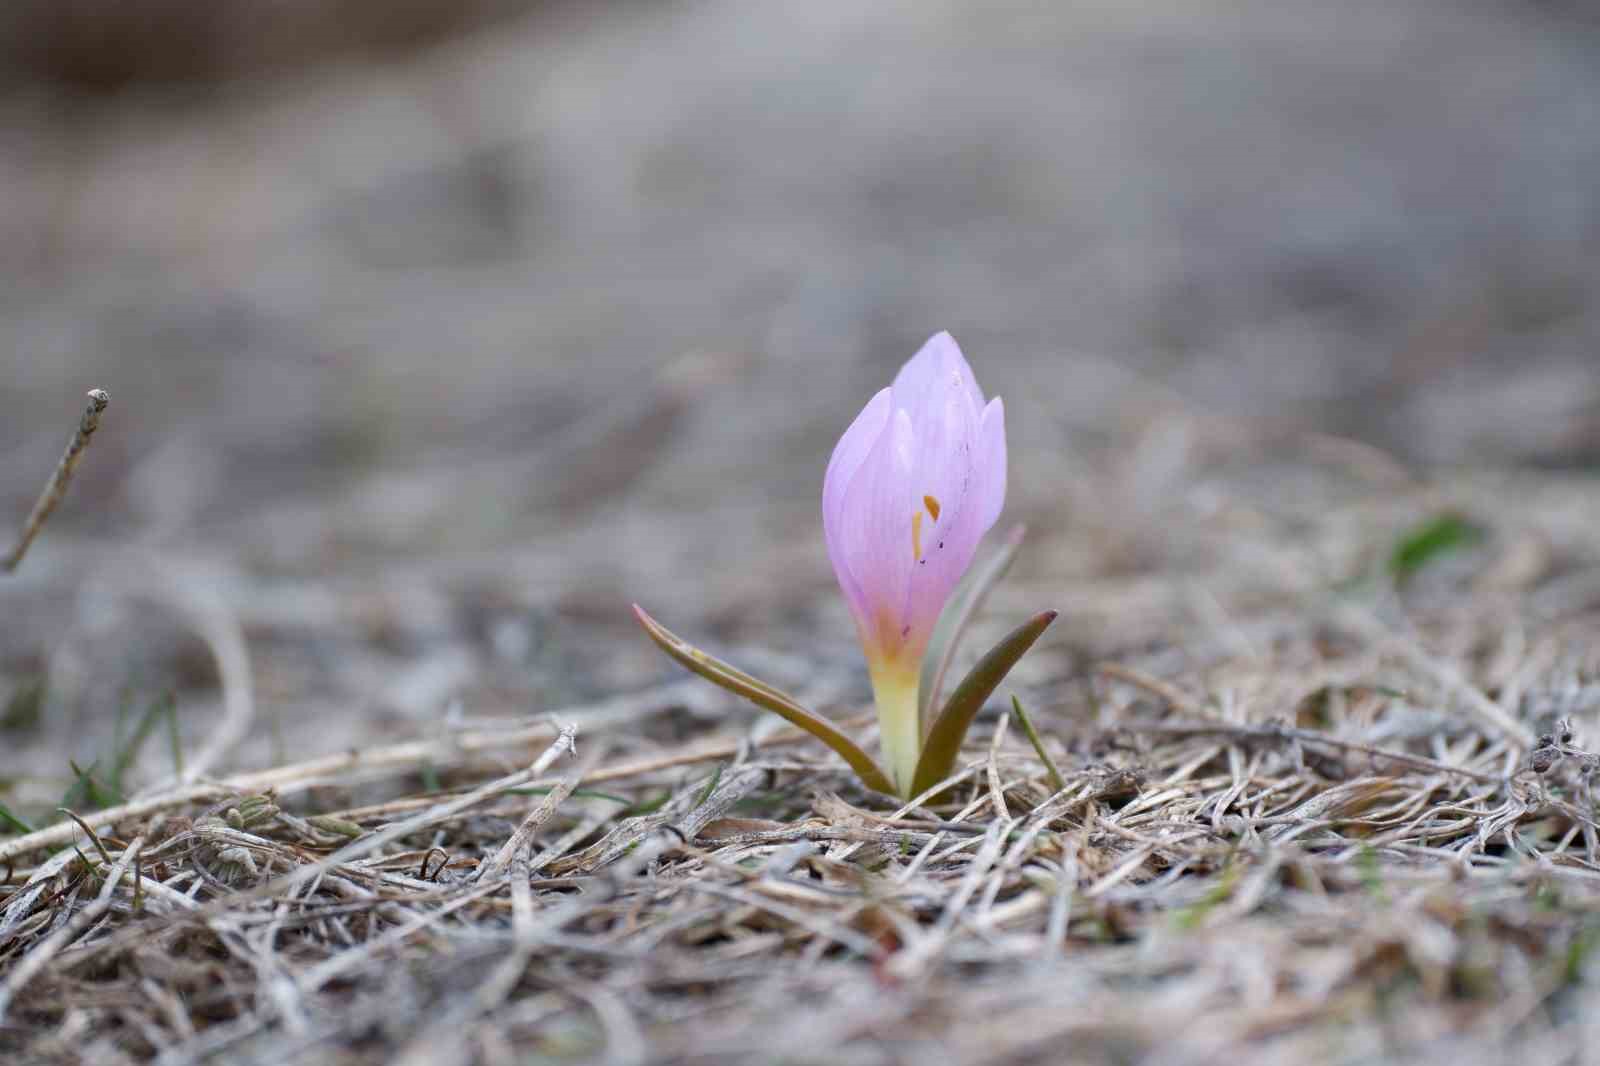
(849, 453)
(874, 534)
(935, 362)
(946, 476)
(990, 474)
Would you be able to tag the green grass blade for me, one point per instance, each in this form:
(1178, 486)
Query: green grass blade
(1433, 539)
(10, 822)
(943, 745)
(86, 791)
(711, 786)
(765, 696)
(954, 619)
(1056, 780)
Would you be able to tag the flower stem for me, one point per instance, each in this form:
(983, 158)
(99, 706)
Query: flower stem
(894, 690)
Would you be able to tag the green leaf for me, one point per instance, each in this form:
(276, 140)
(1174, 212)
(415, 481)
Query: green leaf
(12, 822)
(338, 827)
(943, 745)
(711, 786)
(86, 791)
(958, 613)
(1439, 536)
(765, 696)
(1056, 780)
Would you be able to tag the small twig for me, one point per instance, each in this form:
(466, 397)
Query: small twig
(427, 857)
(94, 838)
(997, 794)
(522, 838)
(56, 488)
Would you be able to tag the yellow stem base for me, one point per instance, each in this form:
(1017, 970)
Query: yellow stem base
(894, 690)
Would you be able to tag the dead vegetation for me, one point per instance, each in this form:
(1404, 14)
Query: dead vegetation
(1370, 832)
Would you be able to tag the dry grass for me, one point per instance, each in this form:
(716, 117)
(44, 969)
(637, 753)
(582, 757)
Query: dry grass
(1331, 843)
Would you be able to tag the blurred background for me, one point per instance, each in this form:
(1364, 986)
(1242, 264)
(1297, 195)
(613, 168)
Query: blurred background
(437, 332)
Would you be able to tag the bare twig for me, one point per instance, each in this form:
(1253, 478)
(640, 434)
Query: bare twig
(56, 488)
(522, 839)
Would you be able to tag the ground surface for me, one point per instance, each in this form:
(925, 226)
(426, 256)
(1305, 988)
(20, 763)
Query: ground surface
(422, 371)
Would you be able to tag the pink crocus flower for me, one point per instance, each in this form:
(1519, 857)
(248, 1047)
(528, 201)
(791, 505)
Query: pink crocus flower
(913, 485)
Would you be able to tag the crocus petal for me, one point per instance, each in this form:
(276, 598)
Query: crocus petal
(944, 476)
(873, 544)
(990, 473)
(933, 364)
(849, 453)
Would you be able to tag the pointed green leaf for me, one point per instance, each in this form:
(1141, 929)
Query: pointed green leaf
(1433, 539)
(954, 619)
(11, 823)
(764, 695)
(1051, 772)
(950, 728)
